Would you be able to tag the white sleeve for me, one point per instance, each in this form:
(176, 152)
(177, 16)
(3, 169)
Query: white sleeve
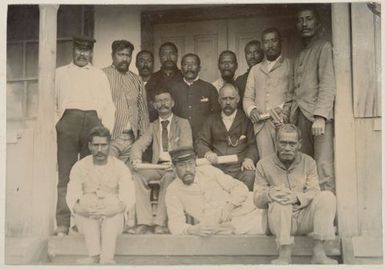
(74, 187)
(126, 185)
(107, 106)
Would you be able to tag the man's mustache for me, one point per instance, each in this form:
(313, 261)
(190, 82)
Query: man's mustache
(123, 63)
(81, 58)
(164, 106)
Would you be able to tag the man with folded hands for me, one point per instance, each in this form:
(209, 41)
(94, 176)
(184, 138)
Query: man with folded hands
(286, 183)
(167, 132)
(229, 132)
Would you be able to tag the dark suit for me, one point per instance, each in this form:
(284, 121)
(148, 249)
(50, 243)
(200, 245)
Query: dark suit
(214, 137)
(179, 136)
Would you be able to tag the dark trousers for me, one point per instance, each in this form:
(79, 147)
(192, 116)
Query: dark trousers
(72, 131)
(321, 148)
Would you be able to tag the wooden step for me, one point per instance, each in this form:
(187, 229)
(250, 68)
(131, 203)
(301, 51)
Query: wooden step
(169, 249)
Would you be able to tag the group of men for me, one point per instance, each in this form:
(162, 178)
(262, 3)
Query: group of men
(275, 118)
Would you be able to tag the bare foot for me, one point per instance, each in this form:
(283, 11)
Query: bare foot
(281, 261)
(322, 259)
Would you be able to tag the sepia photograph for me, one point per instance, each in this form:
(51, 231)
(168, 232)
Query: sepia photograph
(193, 134)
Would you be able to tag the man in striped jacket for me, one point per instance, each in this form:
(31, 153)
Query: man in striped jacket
(127, 91)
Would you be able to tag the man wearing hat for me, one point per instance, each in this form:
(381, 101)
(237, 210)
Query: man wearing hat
(218, 203)
(83, 100)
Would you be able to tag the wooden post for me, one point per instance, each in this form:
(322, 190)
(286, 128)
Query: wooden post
(345, 155)
(44, 159)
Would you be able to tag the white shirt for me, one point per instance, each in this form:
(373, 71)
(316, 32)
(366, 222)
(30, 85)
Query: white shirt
(114, 174)
(84, 88)
(228, 120)
(164, 155)
(270, 64)
(218, 84)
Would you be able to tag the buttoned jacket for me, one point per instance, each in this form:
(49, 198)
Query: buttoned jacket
(268, 89)
(215, 137)
(180, 136)
(314, 81)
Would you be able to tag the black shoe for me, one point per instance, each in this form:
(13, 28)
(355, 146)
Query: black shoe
(61, 231)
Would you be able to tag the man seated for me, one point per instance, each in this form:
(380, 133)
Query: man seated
(165, 133)
(217, 201)
(229, 132)
(287, 184)
(99, 193)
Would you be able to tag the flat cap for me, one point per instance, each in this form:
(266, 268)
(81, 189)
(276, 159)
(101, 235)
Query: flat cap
(85, 42)
(182, 154)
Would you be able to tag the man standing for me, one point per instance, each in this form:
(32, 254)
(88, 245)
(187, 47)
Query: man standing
(127, 91)
(314, 92)
(99, 193)
(287, 184)
(145, 65)
(227, 65)
(195, 99)
(166, 133)
(229, 132)
(83, 101)
(267, 92)
(254, 55)
(217, 201)
(166, 76)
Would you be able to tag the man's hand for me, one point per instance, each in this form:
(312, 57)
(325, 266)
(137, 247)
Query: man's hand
(211, 157)
(169, 166)
(247, 164)
(276, 115)
(82, 211)
(226, 213)
(254, 116)
(278, 193)
(104, 212)
(135, 164)
(290, 198)
(202, 230)
(318, 127)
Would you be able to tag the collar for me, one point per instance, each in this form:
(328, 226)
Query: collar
(87, 66)
(169, 118)
(230, 117)
(275, 61)
(190, 83)
(293, 165)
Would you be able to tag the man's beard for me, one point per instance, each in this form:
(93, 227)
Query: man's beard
(122, 67)
(168, 65)
(228, 77)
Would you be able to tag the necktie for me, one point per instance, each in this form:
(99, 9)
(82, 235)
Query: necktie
(164, 135)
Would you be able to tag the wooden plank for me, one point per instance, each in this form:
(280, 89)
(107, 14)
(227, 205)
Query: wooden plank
(44, 157)
(153, 245)
(365, 83)
(345, 154)
(186, 260)
(369, 183)
(27, 250)
(367, 246)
